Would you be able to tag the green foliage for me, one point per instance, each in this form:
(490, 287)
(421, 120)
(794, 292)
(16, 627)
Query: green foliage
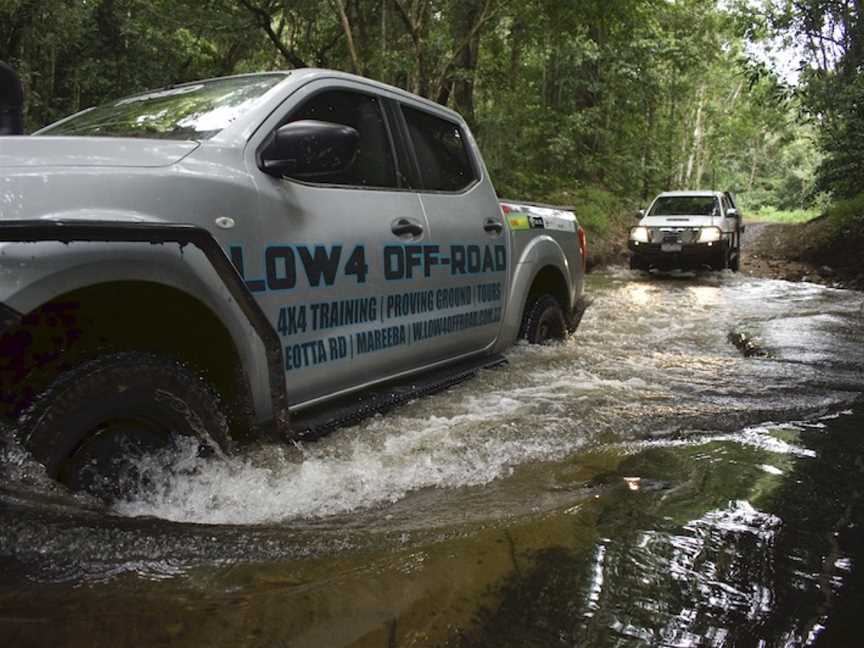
(845, 219)
(571, 102)
(842, 170)
(76, 54)
(831, 35)
(598, 210)
(835, 239)
(772, 215)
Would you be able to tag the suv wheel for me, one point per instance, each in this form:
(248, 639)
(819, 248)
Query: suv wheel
(95, 420)
(638, 264)
(735, 261)
(544, 320)
(722, 260)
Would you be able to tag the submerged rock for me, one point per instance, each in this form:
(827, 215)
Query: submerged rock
(746, 345)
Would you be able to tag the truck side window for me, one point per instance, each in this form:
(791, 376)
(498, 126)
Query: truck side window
(441, 150)
(373, 166)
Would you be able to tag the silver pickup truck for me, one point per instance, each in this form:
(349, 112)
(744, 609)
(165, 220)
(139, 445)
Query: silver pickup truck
(258, 256)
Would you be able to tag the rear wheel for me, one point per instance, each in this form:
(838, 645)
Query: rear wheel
(544, 320)
(97, 420)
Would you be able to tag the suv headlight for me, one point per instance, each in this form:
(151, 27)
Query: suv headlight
(709, 234)
(639, 234)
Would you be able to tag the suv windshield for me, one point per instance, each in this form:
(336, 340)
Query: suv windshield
(192, 111)
(684, 206)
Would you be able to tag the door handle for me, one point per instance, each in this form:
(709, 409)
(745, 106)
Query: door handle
(406, 227)
(493, 226)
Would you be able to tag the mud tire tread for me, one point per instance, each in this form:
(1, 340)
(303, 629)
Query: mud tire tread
(735, 261)
(638, 264)
(544, 308)
(61, 417)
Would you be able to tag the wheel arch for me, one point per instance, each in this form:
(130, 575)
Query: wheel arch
(124, 315)
(549, 280)
(542, 267)
(53, 258)
(147, 249)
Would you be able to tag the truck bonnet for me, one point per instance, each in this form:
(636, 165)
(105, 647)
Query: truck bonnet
(91, 152)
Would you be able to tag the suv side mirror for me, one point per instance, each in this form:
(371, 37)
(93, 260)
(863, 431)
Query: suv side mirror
(732, 213)
(309, 148)
(639, 215)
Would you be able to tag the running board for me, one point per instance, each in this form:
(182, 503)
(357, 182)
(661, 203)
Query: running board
(349, 410)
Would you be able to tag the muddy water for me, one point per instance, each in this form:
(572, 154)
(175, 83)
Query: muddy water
(687, 470)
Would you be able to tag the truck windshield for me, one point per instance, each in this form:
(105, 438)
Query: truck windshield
(684, 206)
(193, 111)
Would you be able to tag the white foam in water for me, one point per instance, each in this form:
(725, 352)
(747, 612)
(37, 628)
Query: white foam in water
(467, 449)
(761, 437)
(643, 345)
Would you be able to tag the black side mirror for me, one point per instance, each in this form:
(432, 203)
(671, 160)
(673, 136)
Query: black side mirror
(309, 149)
(11, 102)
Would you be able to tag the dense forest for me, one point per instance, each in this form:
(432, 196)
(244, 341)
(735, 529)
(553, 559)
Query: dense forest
(573, 101)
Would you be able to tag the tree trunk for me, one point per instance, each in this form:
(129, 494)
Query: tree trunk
(754, 162)
(647, 148)
(698, 138)
(466, 34)
(517, 33)
(415, 24)
(349, 36)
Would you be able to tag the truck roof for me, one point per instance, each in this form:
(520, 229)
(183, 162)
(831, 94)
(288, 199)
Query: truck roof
(239, 131)
(692, 193)
(305, 75)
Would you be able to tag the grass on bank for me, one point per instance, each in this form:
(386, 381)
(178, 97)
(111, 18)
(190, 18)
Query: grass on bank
(838, 232)
(834, 238)
(772, 215)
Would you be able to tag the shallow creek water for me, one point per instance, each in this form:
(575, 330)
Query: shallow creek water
(646, 483)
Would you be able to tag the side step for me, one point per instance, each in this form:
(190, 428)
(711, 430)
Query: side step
(322, 419)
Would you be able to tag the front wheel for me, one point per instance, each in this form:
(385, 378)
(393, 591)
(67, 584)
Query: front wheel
(97, 420)
(544, 321)
(723, 260)
(638, 264)
(735, 261)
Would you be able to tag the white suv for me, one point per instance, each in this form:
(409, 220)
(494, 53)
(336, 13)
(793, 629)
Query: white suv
(688, 230)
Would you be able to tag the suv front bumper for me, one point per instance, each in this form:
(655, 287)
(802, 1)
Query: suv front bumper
(687, 256)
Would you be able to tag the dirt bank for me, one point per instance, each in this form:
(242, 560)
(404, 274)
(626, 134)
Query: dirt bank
(608, 248)
(771, 250)
(783, 251)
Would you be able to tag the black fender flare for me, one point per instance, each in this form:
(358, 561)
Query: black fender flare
(183, 234)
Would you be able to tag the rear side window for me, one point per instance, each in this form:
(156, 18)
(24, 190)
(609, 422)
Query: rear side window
(441, 150)
(373, 166)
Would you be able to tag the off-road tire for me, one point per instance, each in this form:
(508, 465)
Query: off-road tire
(638, 264)
(81, 427)
(735, 261)
(723, 260)
(544, 320)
